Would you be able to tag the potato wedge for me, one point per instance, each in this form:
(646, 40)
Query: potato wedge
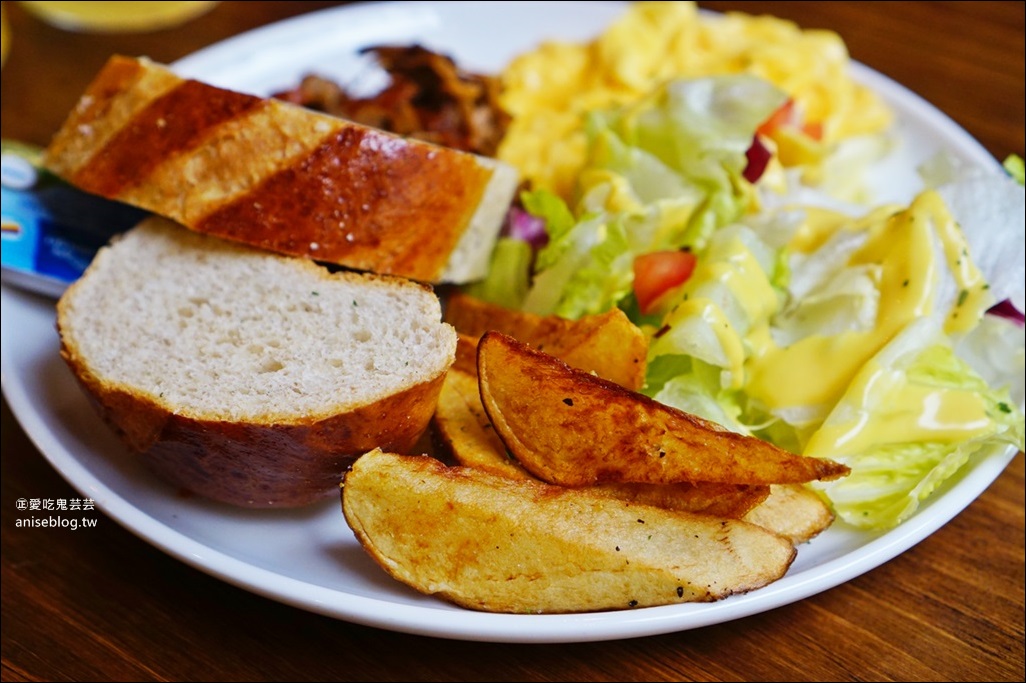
(466, 432)
(724, 501)
(495, 544)
(571, 428)
(466, 354)
(792, 511)
(608, 344)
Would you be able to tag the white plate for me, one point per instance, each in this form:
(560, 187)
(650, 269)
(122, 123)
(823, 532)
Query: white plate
(309, 558)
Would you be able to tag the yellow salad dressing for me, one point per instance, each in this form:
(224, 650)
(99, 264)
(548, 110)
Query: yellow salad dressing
(904, 412)
(818, 369)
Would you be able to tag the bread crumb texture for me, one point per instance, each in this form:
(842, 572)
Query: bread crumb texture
(215, 330)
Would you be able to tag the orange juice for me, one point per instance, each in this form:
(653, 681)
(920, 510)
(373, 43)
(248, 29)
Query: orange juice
(112, 17)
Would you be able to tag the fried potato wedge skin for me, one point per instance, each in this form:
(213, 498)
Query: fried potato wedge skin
(607, 344)
(571, 428)
(793, 511)
(466, 354)
(466, 433)
(465, 430)
(495, 544)
(727, 501)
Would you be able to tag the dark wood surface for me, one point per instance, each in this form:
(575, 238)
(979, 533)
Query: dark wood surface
(101, 604)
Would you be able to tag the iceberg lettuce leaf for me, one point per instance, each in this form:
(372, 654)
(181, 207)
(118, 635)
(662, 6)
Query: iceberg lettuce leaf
(891, 430)
(663, 173)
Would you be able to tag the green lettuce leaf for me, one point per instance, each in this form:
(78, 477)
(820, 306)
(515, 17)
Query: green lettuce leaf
(909, 451)
(664, 173)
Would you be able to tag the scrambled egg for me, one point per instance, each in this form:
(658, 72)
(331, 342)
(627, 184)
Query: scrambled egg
(548, 89)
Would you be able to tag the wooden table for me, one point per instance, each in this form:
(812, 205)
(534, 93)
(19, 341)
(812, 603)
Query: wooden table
(101, 604)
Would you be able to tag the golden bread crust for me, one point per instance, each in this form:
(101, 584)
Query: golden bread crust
(278, 176)
(278, 428)
(283, 466)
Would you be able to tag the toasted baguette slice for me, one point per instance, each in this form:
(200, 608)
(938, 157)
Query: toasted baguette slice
(282, 177)
(249, 377)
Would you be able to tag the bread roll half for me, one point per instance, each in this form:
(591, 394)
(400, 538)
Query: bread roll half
(249, 377)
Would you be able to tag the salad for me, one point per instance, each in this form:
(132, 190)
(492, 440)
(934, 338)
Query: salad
(709, 177)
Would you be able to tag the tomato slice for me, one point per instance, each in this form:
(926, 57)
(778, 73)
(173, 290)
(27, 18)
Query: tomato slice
(785, 116)
(814, 130)
(658, 272)
(788, 115)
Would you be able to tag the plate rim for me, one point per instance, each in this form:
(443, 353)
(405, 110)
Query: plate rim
(484, 626)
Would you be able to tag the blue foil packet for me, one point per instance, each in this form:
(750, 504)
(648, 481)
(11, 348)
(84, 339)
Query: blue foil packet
(51, 231)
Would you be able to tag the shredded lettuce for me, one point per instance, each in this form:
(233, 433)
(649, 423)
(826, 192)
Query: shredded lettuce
(688, 384)
(991, 210)
(730, 295)
(1013, 164)
(777, 270)
(663, 173)
(507, 280)
(914, 447)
